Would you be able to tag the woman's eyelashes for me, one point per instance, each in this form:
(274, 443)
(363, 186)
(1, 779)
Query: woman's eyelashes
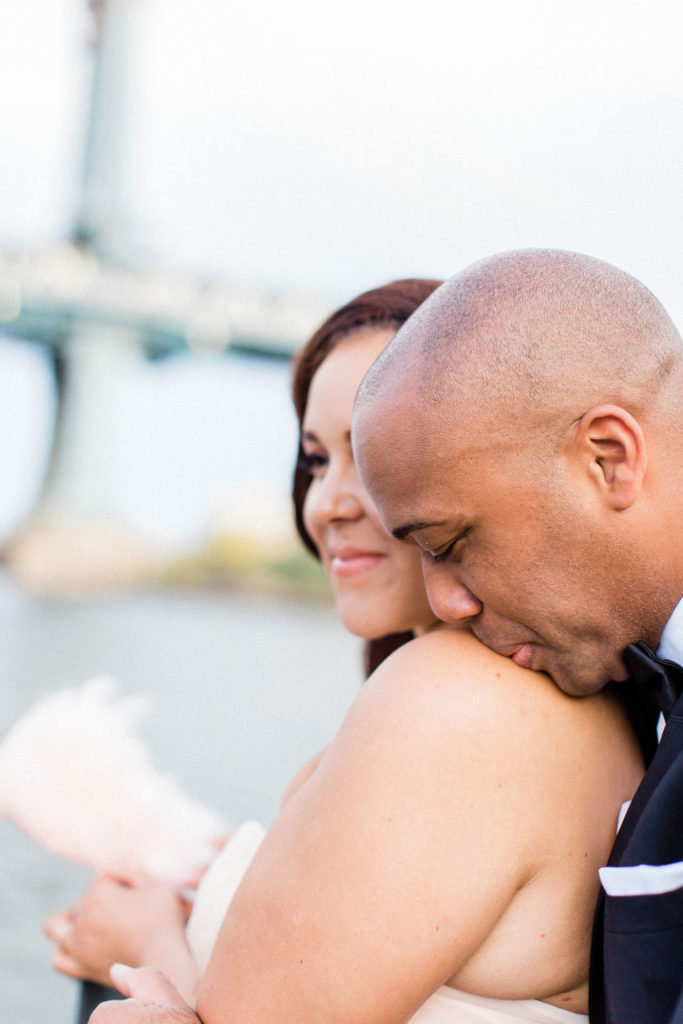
(313, 462)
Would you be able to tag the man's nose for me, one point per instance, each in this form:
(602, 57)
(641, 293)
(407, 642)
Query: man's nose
(450, 599)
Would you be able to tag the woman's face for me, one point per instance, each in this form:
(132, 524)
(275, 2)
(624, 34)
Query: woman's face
(377, 580)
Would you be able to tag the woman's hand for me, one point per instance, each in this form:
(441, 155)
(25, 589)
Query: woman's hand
(116, 921)
(152, 999)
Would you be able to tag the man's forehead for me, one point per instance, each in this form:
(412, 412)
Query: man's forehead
(413, 494)
(384, 430)
(414, 459)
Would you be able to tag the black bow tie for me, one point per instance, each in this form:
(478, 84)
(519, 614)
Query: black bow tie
(662, 679)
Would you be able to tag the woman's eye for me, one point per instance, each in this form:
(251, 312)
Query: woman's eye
(312, 462)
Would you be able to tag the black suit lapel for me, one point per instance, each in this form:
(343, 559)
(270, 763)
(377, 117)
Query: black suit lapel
(670, 746)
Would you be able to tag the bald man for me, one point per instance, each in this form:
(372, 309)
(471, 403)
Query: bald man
(525, 430)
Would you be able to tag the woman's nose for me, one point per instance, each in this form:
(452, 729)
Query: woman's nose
(335, 497)
(450, 600)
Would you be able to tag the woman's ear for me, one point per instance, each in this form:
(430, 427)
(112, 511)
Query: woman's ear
(611, 445)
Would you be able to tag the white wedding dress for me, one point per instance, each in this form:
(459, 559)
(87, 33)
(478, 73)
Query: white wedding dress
(446, 1006)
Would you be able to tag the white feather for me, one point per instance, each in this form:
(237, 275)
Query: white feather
(76, 777)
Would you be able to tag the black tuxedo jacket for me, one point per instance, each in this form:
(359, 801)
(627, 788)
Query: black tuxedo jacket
(637, 954)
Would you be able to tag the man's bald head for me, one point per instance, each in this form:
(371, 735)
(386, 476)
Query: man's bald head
(543, 333)
(525, 429)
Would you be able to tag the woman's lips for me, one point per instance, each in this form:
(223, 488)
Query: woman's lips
(352, 561)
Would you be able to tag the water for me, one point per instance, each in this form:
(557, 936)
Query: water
(244, 690)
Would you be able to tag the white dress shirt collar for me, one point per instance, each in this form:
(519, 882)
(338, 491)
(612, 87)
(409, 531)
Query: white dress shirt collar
(671, 644)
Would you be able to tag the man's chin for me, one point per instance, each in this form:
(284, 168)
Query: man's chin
(575, 682)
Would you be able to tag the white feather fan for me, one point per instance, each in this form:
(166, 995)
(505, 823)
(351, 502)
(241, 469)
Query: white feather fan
(77, 779)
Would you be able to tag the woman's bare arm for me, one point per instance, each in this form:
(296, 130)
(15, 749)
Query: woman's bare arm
(396, 858)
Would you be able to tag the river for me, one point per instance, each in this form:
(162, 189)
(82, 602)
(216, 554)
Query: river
(243, 691)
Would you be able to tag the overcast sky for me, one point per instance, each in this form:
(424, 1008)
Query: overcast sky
(327, 147)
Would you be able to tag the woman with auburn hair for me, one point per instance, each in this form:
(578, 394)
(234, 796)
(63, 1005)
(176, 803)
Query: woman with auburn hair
(438, 861)
(387, 307)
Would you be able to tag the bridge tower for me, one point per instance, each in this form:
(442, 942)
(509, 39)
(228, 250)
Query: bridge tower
(72, 539)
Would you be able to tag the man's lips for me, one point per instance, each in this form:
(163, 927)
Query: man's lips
(351, 561)
(521, 654)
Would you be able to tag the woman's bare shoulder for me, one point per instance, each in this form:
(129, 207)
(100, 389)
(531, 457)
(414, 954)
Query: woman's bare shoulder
(449, 666)
(450, 678)
(444, 705)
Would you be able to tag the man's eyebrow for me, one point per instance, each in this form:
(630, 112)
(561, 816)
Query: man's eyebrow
(401, 532)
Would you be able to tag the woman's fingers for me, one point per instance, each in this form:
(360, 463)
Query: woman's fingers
(66, 964)
(65, 958)
(60, 929)
(58, 926)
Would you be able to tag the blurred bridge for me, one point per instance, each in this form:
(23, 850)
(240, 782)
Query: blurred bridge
(49, 297)
(95, 313)
(94, 321)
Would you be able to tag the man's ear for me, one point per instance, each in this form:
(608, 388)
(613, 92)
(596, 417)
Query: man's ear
(611, 444)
